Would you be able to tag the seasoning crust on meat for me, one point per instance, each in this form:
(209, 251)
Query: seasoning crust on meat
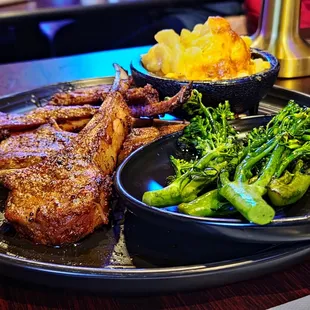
(40, 116)
(66, 196)
(28, 148)
(58, 160)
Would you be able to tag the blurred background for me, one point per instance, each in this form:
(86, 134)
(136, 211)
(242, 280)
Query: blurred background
(41, 29)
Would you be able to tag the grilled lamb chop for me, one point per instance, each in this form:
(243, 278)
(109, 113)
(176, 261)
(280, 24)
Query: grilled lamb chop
(28, 148)
(164, 106)
(40, 116)
(169, 129)
(74, 118)
(65, 197)
(94, 94)
(137, 138)
(144, 135)
(142, 95)
(89, 95)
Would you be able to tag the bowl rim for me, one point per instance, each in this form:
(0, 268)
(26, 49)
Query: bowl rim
(136, 65)
(228, 222)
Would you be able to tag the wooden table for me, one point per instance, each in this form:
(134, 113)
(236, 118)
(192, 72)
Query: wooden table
(261, 293)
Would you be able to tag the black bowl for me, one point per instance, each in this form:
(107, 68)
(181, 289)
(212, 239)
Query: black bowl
(243, 94)
(150, 166)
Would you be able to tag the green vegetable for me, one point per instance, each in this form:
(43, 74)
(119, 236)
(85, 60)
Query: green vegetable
(238, 172)
(247, 198)
(290, 187)
(282, 134)
(209, 204)
(216, 143)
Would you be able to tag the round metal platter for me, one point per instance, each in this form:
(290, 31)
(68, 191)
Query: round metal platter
(128, 258)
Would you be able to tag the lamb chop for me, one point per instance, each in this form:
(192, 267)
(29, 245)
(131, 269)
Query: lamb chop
(40, 116)
(28, 148)
(144, 135)
(96, 94)
(74, 118)
(65, 197)
(142, 102)
(89, 95)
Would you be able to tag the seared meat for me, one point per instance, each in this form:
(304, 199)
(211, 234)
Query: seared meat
(89, 95)
(65, 197)
(73, 118)
(137, 138)
(163, 106)
(142, 95)
(144, 101)
(40, 116)
(28, 148)
(4, 134)
(95, 95)
(169, 129)
(73, 125)
(144, 135)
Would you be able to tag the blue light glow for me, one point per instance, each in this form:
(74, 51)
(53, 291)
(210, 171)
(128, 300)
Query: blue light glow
(168, 117)
(153, 186)
(174, 209)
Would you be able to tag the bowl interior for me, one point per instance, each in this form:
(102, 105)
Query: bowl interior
(255, 54)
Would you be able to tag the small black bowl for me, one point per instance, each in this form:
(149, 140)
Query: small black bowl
(243, 93)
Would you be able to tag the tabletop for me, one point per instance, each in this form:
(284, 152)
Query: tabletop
(16, 11)
(261, 293)
(24, 76)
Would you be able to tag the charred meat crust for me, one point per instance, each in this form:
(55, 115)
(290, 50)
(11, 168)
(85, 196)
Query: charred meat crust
(40, 116)
(89, 95)
(28, 148)
(66, 196)
(144, 135)
(163, 106)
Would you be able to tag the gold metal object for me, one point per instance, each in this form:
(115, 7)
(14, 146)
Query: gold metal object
(278, 32)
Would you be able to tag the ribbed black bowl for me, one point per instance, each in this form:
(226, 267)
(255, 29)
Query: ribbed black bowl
(243, 94)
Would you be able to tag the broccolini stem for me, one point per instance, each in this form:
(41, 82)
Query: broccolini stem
(251, 159)
(271, 166)
(290, 187)
(224, 177)
(204, 161)
(196, 185)
(224, 126)
(305, 138)
(209, 204)
(247, 199)
(303, 150)
(167, 196)
(209, 117)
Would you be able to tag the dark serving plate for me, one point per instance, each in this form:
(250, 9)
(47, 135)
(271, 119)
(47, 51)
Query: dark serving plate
(243, 93)
(129, 256)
